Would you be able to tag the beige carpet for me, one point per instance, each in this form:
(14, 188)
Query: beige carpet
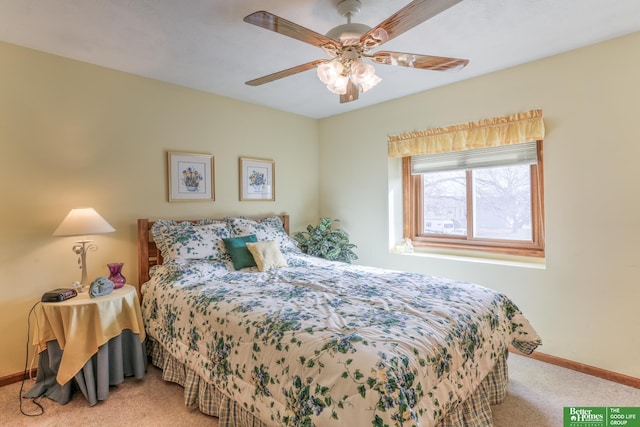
(538, 392)
(536, 396)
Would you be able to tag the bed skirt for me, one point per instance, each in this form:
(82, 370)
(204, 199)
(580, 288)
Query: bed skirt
(474, 412)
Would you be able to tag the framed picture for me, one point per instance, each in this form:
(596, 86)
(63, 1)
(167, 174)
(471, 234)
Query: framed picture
(190, 177)
(257, 179)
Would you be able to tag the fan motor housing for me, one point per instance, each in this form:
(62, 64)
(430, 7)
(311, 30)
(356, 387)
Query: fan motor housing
(348, 7)
(350, 30)
(347, 31)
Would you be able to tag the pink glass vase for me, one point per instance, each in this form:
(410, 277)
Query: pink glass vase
(115, 274)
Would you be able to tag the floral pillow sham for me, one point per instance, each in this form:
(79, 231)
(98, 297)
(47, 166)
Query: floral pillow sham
(265, 229)
(184, 241)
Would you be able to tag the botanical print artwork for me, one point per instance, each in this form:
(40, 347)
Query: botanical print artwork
(193, 177)
(257, 180)
(190, 177)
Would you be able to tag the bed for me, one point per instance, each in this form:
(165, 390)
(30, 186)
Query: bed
(302, 341)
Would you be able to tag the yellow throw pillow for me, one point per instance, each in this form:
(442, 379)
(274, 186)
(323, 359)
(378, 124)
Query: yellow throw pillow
(267, 255)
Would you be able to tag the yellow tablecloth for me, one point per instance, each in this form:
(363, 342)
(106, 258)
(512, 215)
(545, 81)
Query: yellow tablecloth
(82, 324)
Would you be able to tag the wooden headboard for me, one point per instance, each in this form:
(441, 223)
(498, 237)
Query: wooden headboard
(148, 253)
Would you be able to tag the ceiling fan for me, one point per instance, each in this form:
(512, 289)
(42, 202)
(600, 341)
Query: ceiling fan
(345, 72)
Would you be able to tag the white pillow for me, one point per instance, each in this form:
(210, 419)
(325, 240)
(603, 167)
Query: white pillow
(267, 255)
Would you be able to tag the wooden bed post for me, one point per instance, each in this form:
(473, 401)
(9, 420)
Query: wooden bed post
(143, 253)
(285, 222)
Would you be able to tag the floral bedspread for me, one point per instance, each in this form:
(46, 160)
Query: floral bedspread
(332, 344)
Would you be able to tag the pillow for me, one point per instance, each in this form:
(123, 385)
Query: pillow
(237, 248)
(266, 229)
(186, 241)
(267, 255)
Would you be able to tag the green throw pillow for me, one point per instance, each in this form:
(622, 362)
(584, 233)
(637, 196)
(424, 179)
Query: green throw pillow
(237, 248)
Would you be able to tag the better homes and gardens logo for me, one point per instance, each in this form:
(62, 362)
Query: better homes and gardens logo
(580, 416)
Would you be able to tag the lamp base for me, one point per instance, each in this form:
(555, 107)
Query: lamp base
(81, 249)
(79, 287)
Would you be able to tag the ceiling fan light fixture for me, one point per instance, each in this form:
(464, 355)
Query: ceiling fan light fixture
(368, 84)
(339, 86)
(363, 75)
(328, 72)
(344, 72)
(361, 71)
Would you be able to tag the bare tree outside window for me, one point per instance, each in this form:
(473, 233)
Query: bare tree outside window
(502, 202)
(497, 209)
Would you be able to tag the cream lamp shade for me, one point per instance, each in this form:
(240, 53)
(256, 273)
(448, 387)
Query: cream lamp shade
(83, 222)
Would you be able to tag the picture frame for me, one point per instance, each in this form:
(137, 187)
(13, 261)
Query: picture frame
(257, 179)
(190, 177)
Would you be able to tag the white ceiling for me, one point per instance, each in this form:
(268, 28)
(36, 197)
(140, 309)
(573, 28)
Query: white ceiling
(205, 45)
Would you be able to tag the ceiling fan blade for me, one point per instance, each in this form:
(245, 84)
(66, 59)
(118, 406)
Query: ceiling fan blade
(274, 23)
(424, 62)
(352, 93)
(405, 19)
(285, 73)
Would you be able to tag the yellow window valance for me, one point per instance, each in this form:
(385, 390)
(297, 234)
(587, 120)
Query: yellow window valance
(513, 129)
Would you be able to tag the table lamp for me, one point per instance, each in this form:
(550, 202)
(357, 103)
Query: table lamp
(83, 222)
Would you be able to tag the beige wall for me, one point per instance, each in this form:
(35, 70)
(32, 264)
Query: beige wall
(585, 302)
(73, 134)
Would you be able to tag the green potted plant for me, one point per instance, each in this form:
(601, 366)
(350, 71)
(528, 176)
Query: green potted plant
(326, 242)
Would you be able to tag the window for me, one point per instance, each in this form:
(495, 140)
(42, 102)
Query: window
(488, 199)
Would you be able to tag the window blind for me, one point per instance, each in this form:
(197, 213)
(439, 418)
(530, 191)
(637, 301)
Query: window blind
(525, 153)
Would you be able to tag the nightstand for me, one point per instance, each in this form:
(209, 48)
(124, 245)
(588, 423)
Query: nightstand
(92, 342)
